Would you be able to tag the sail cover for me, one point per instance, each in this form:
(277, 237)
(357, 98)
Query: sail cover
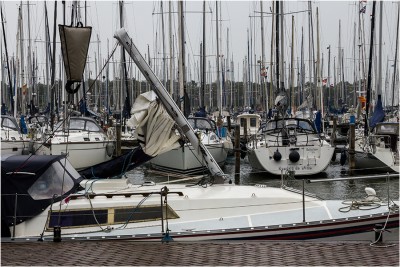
(379, 114)
(38, 180)
(154, 128)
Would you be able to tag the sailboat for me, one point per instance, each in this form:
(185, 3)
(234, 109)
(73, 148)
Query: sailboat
(181, 159)
(81, 138)
(115, 209)
(378, 148)
(289, 144)
(12, 140)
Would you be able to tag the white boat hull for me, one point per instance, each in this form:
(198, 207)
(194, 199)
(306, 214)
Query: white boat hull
(197, 213)
(380, 158)
(313, 159)
(80, 154)
(17, 147)
(184, 160)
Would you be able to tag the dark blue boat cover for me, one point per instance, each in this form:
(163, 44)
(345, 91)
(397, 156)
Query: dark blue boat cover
(379, 114)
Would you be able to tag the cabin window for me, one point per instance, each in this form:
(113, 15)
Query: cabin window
(77, 125)
(141, 214)
(387, 129)
(78, 218)
(253, 122)
(88, 217)
(54, 181)
(305, 125)
(8, 123)
(92, 127)
(242, 122)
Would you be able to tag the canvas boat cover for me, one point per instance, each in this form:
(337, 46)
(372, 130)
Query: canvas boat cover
(37, 181)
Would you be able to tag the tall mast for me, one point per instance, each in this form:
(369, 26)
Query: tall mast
(339, 59)
(227, 67)
(47, 45)
(277, 44)
(310, 59)
(271, 72)
(292, 104)
(379, 83)
(246, 73)
(302, 76)
(282, 52)
(371, 48)
(121, 71)
(334, 82)
(30, 74)
(164, 79)
(182, 66)
(395, 54)
(329, 77)
(219, 90)
(7, 59)
(311, 55)
(203, 71)
(354, 67)
(53, 68)
(361, 39)
(22, 63)
(319, 87)
(171, 55)
(263, 87)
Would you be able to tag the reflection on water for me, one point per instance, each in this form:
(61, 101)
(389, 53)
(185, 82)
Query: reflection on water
(352, 189)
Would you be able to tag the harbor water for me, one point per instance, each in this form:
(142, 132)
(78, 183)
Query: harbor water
(347, 189)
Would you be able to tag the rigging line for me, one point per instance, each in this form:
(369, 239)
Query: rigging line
(64, 167)
(105, 64)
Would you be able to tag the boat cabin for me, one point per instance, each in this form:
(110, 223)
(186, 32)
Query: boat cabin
(9, 123)
(291, 131)
(80, 124)
(249, 124)
(388, 134)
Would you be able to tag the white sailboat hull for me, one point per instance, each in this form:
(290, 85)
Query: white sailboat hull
(184, 160)
(313, 159)
(9, 147)
(80, 154)
(196, 213)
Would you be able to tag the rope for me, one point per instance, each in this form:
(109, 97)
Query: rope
(393, 208)
(365, 204)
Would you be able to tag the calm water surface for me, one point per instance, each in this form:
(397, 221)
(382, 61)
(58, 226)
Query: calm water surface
(354, 189)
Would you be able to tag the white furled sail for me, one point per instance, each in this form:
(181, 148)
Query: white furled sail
(153, 126)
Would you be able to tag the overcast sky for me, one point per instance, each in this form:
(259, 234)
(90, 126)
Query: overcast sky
(143, 23)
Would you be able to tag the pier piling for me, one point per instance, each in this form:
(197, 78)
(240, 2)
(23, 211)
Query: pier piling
(237, 154)
(352, 163)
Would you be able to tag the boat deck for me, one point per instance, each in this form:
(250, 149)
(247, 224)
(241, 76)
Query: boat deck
(122, 253)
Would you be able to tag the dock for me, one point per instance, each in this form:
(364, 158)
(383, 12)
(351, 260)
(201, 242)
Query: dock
(217, 253)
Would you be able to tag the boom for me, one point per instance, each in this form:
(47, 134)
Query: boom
(173, 110)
